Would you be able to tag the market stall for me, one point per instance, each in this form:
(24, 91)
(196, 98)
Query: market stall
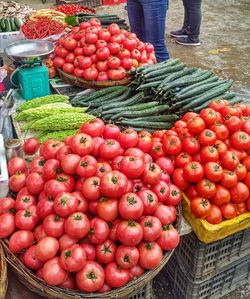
(98, 190)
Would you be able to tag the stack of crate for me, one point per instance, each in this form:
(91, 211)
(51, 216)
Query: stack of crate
(209, 271)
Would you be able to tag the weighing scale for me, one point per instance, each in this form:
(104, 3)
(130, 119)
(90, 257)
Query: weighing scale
(31, 77)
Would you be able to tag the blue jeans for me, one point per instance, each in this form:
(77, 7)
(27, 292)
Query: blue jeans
(147, 20)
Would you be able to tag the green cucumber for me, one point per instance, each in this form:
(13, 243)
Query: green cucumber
(199, 90)
(3, 25)
(149, 85)
(146, 112)
(147, 124)
(136, 107)
(235, 100)
(187, 80)
(7, 23)
(130, 101)
(18, 22)
(229, 95)
(157, 118)
(12, 24)
(168, 63)
(211, 94)
(165, 70)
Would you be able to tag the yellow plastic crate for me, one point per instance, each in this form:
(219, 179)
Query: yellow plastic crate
(209, 233)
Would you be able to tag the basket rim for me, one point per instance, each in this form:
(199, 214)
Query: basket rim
(37, 285)
(91, 84)
(3, 274)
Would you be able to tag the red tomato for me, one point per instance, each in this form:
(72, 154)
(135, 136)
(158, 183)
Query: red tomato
(206, 188)
(90, 251)
(193, 171)
(233, 123)
(239, 193)
(86, 167)
(151, 174)
(110, 149)
(77, 225)
(229, 179)
(111, 132)
(195, 125)
(99, 231)
(229, 160)
(228, 111)
(241, 172)
(114, 48)
(69, 43)
(228, 211)
(107, 209)
(59, 61)
(129, 233)
(136, 271)
(31, 260)
(174, 197)
(46, 248)
(161, 190)
(150, 255)
(65, 204)
(200, 207)
(51, 168)
(22, 202)
(191, 192)
(53, 225)
(152, 228)
(130, 206)
(207, 137)
(246, 162)
(171, 145)
(113, 184)
(209, 154)
(217, 105)
(50, 148)
(17, 181)
(63, 151)
(209, 116)
(36, 165)
(116, 276)
(7, 225)
(144, 141)
(102, 168)
(26, 219)
(68, 68)
(190, 145)
(97, 142)
(106, 251)
(31, 145)
(246, 126)
(91, 188)
(39, 233)
(66, 241)
(73, 259)
(104, 34)
(247, 179)
(116, 74)
(63, 182)
(20, 240)
(241, 208)
(150, 201)
(165, 214)
(91, 277)
(221, 197)
(53, 273)
(220, 146)
(240, 140)
(69, 283)
(69, 163)
(127, 257)
(128, 138)
(165, 164)
(132, 166)
(215, 215)
(156, 150)
(220, 130)
(169, 238)
(179, 179)
(8, 204)
(213, 171)
(35, 183)
(181, 159)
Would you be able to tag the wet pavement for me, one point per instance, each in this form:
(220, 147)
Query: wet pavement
(225, 49)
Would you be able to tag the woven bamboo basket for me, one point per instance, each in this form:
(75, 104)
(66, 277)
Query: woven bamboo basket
(3, 274)
(37, 285)
(90, 84)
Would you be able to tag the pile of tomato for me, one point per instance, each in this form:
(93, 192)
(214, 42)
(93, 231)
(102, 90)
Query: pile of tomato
(211, 151)
(93, 212)
(73, 9)
(99, 54)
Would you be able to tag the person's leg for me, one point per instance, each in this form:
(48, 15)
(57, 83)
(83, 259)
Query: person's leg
(136, 18)
(155, 26)
(183, 32)
(194, 22)
(194, 18)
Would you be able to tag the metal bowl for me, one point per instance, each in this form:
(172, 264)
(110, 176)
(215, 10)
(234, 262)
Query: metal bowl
(26, 51)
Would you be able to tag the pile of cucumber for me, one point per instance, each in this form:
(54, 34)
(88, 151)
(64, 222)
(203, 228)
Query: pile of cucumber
(181, 87)
(106, 19)
(157, 96)
(10, 24)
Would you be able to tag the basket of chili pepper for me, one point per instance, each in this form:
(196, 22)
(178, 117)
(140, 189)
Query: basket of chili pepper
(42, 28)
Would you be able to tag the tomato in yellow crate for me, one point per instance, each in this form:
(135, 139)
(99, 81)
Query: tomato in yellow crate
(228, 211)
(200, 206)
(215, 215)
(222, 196)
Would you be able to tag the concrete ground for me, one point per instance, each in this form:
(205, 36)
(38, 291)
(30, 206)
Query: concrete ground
(225, 49)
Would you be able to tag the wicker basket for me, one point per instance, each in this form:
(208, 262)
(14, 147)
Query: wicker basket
(90, 84)
(35, 284)
(3, 274)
